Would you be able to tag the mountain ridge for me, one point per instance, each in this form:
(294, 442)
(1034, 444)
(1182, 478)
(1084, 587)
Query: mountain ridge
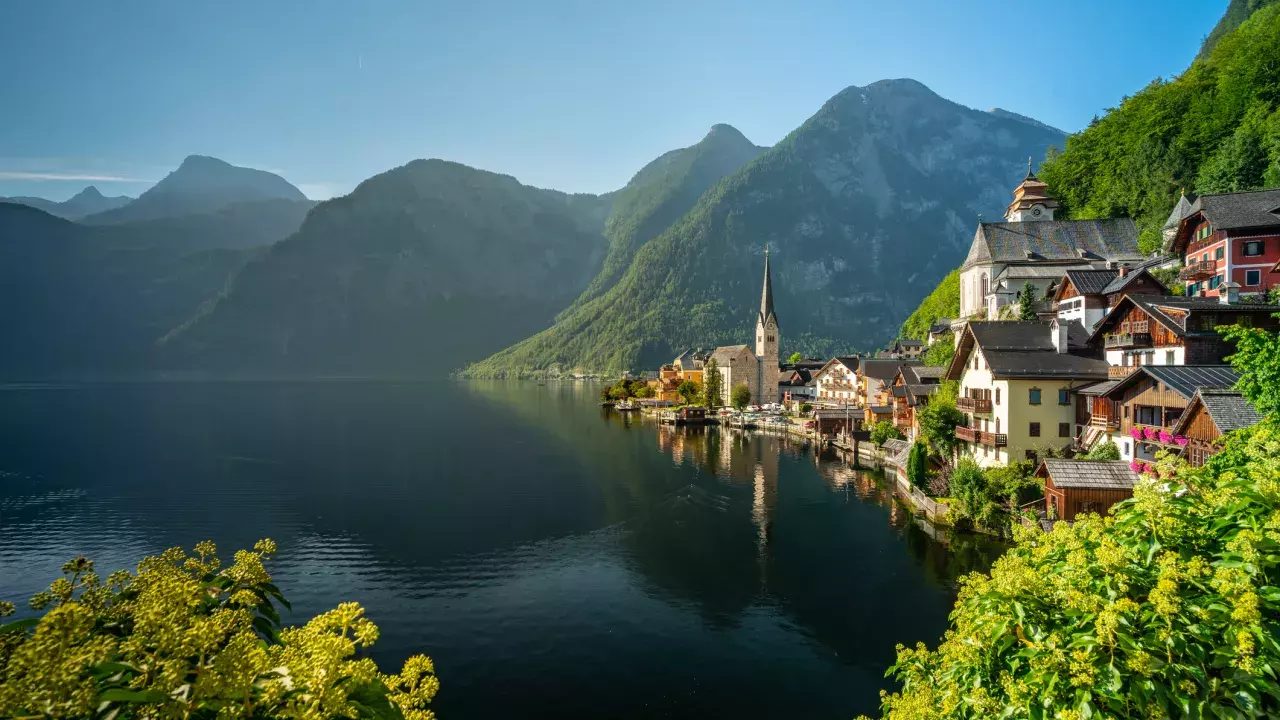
(88, 201)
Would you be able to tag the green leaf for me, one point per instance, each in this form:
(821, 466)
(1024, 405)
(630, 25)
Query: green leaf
(18, 625)
(132, 696)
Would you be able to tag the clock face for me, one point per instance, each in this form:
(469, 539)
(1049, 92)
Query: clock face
(1035, 212)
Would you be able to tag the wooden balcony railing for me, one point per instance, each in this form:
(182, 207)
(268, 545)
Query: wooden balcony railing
(979, 437)
(1117, 372)
(1129, 339)
(1104, 422)
(1199, 270)
(973, 405)
(967, 434)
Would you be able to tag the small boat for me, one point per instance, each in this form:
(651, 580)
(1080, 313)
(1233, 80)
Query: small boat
(626, 405)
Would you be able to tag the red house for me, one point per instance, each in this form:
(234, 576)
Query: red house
(1233, 237)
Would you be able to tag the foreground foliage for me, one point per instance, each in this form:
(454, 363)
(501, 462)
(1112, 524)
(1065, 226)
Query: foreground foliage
(185, 637)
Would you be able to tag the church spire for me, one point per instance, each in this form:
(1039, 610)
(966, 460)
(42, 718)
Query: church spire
(766, 295)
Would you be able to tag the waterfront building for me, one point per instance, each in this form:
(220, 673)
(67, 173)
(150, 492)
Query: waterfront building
(759, 370)
(1016, 382)
(1228, 238)
(875, 387)
(1031, 246)
(837, 382)
(911, 389)
(1073, 487)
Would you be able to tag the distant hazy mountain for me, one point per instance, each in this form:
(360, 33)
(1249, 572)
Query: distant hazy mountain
(200, 185)
(417, 271)
(86, 202)
(661, 192)
(865, 206)
(78, 300)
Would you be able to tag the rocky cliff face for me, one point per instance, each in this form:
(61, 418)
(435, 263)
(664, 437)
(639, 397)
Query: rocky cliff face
(865, 207)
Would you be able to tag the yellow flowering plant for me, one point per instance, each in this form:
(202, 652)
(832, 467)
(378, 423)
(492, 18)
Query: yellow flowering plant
(185, 637)
(1169, 608)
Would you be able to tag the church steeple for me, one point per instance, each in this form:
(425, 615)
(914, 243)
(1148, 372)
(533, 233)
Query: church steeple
(766, 295)
(1031, 200)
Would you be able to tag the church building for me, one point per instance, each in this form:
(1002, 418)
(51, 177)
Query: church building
(1031, 246)
(759, 370)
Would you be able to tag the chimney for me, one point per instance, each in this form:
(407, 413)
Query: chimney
(1229, 294)
(1124, 271)
(1058, 330)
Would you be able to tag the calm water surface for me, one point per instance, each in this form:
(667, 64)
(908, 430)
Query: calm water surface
(554, 559)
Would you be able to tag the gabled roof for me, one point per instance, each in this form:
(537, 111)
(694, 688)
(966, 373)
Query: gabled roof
(1182, 379)
(1098, 388)
(850, 363)
(1230, 211)
(899, 391)
(922, 374)
(940, 325)
(1090, 282)
(883, 369)
(1026, 350)
(1157, 307)
(917, 393)
(1119, 284)
(1228, 409)
(908, 342)
(725, 353)
(1180, 210)
(1100, 474)
(1055, 240)
(897, 451)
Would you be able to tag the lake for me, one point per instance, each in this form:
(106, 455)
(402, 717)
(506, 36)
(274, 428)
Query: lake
(555, 559)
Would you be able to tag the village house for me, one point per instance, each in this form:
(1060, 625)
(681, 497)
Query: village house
(1086, 296)
(758, 370)
(1139, 412)
(1016, 382)
(1233, 237)
(905, 348)
(688, 366)
(796, 386)
(875, 383)
(837, 382)
(939, 330)
(1211, 414)
(1074, 487)
(911, 390)
(1149, 330)
(1031, 246)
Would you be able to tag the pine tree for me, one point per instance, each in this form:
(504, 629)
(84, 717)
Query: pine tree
(712, 384)
(1027, 303)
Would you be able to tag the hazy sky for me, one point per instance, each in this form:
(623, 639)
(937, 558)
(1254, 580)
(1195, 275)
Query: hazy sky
(570, 95)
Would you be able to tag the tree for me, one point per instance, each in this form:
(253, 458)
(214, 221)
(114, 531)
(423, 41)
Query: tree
(940, 353)
(795, 358)
(918, 464)
(1257, 359)
(188, 638)
(939, 419)
(740, 397)
(1105, 450)
(606, 394)
(806, 408)
(1027, 302)
(643, 391)
(689, 391)
(884, 430)
(713, 387)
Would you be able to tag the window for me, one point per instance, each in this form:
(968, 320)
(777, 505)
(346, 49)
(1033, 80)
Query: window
(770, 339)
(1253, 248)
(997, 396)
(1035, 429)
(1204, 257)
(1252, 278)
(1031, 455)
(997, 426)
(1244, 320)
(1126, 412)
(1214, 282)
(1064, 396)
(1168, 357)
(1219, 253)
(1126, 447)
(975, 361)
(1033, 396)
(1209, 322)
(1064, 430)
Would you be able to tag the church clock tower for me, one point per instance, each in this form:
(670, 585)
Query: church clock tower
(1031, 200)
(767, 339)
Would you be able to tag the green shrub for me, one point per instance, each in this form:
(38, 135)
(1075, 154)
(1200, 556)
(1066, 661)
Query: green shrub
(884, 430)
(1105, 450)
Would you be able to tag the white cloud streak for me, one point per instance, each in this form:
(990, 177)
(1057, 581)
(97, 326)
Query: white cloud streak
(83, 177)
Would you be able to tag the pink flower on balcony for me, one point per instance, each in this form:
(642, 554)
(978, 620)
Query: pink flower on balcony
(1180, 439)
(1138, 466)
(1149, 432)
(1165, 437)
(1135, 433)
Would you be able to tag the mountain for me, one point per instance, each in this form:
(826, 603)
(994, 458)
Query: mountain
(1214, 128)
(78, 300)
(415, 272)
(866, 205)
(660, 193)
(86, 202)
(1237, 12)
(200, 185)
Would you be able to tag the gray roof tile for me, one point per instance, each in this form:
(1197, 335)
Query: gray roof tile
(1233, 211)
(1048, 240)
(1106, 474)
(1229, 409)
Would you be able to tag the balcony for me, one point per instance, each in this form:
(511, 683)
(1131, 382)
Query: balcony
(1119, 372)
(1128, 340)
(1104, 422)
(1199, 270)
(978, 437)
(973, 405)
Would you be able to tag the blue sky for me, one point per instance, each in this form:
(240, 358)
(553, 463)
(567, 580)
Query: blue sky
(564, 94)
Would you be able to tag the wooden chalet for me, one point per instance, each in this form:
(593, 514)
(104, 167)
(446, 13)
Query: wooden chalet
(1211, 414)
(1145, 330)
(910, 390)
(1073, 487)
(1140, 411)
(1086, 295)
(832, 420)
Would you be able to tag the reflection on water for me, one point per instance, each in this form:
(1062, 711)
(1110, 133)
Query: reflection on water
(554, 558)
